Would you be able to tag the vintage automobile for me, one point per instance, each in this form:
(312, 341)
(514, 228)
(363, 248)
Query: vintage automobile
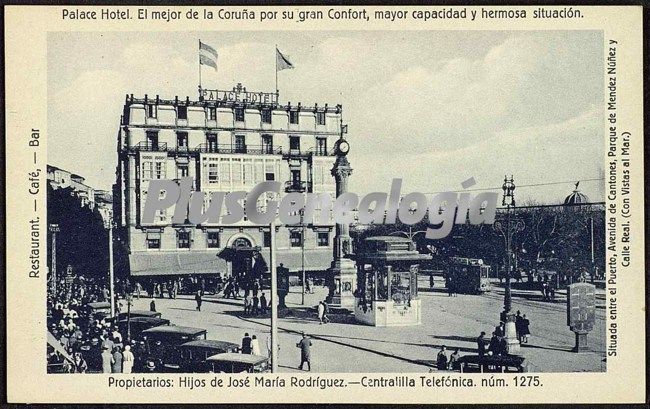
(140, 313)
(235, 363)
(161, 346)
(194, 354)
(491, 363)
(139, 324)
(98, 310)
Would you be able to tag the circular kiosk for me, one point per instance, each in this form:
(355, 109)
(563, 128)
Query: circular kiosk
(387, 282)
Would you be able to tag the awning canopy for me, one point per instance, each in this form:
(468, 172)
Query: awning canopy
(197, 262)
(162, 263)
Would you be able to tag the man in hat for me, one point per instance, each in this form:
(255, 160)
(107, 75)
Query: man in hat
(305, 356)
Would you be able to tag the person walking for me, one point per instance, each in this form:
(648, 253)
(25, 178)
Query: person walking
(525, 329)
(117, 360)
(327, 311)
(107, 360)
(255, 346)
(80, 365)
(453, 360)
(441, 359)
(480, 341)
(256, 304)
(321, 312)
(518, 323)
(493, 347)
(246, 344)
(198, 299)
(247, 304)
(305, 353)
(127, 360)
(263, 304)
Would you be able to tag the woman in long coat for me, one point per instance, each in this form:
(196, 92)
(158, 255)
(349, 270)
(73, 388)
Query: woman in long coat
(127, 360)
(107, 360)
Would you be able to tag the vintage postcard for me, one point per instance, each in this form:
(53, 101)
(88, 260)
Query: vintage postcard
(325, 204)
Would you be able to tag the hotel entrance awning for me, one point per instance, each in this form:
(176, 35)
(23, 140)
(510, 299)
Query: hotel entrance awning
(162, 263)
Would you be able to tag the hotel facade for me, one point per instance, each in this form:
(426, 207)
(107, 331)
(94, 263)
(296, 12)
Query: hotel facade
(225, 141)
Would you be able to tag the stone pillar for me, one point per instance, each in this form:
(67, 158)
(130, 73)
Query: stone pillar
(512, 343)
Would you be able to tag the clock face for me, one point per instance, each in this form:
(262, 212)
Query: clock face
(344, 147)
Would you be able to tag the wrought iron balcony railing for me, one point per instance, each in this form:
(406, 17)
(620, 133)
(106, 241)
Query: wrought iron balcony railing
(295, 186)
(150, 146)
(318, 151)
(297, 153)
(248, 149)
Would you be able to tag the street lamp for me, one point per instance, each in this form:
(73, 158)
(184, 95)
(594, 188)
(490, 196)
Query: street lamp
(511, 227)
(302, 237)
(129, 301)
(54, 229)
(108, 223)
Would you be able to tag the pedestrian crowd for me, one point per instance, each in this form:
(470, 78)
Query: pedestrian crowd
(86, 343)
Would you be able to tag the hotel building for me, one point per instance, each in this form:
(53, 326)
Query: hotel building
(225, 141)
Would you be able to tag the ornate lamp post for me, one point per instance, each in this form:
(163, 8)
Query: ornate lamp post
(512, 226)
(109, 224)
(343, 271)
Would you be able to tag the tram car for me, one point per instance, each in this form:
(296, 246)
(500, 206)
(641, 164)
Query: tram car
(468, 276)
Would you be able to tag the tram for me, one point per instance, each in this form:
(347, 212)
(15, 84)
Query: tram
(468, 276)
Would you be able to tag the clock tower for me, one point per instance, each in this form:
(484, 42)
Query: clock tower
(343, 272)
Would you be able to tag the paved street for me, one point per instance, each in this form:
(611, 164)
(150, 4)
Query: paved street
(345, 346)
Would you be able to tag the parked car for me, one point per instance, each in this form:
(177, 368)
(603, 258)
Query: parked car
(140, 313)
(161, 346)
(489, 363)
(98, 310)
(235, 363)
(194, 354)
(139, 324)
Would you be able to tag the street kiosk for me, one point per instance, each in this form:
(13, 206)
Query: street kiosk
(387, 277)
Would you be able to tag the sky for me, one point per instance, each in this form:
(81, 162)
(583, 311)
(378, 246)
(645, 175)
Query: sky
(433, 108)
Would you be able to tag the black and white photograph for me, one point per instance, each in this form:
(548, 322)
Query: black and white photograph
(144, 279)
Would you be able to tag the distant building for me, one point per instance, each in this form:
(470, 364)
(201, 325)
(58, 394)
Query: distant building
(226, 141)
(576, 198)
(60, 178)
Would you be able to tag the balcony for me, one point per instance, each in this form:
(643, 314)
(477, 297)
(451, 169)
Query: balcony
(318, 151)
(149, 146)
(298, 186)
(298, 154)
(184, 149)
(244, 149)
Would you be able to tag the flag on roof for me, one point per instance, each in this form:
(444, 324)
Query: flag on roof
(282, 61)
(207, 55)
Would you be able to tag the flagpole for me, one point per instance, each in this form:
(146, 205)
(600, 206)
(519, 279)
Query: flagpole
(277, 91)
(200, 67)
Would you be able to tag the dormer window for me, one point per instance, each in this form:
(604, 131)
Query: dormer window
(266, 116)
(152, 111)
(320, 118)
(239, 114)
(293, 117)
(182, 112)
